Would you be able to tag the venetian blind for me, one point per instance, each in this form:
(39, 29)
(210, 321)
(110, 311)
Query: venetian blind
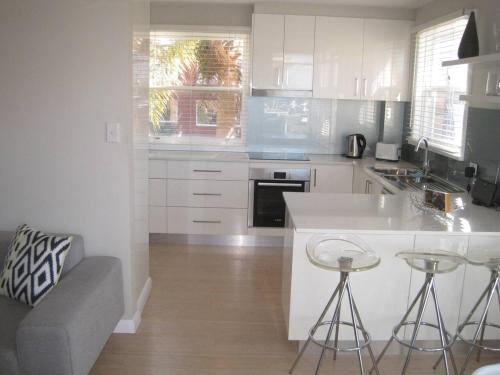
(198, 87)
(437, 112)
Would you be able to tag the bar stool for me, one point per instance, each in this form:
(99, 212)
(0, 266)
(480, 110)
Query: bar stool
(431, 262)
(492, 262)
(344, 254)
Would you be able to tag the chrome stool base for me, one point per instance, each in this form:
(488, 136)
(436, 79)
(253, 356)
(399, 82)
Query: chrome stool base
(343, 287)
(491, 289)
(427, 290)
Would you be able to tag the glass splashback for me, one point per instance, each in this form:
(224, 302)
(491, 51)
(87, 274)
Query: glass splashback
(315, 126)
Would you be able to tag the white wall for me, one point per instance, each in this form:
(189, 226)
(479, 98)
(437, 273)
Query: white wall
(333, 10)
(488, 18)
(189, 13)
(140, 148)
(66, 69)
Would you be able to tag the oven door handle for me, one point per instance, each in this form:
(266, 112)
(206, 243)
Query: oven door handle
(280, 184)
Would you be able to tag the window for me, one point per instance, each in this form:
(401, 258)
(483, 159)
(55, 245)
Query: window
(437, 112)
(206, 113)
(198, 87)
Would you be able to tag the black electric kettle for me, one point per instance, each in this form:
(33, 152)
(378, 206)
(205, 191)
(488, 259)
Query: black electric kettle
(356, 144)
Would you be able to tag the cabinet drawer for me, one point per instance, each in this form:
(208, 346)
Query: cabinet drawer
(192, 220)
(157, 192)
(207, 170)
(157, 169)
(207, 193)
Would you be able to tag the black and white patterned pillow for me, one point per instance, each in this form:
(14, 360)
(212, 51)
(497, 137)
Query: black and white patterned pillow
(33, 265)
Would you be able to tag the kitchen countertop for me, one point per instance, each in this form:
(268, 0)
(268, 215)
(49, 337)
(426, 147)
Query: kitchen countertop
(317, 212)
(199, 155)
(316, 159)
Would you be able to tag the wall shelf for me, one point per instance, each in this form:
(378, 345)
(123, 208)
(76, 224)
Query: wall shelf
(492, 59)
(480, 99)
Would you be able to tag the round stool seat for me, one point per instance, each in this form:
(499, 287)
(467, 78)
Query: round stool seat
(432, 261)
(487, 258)
(341, 253)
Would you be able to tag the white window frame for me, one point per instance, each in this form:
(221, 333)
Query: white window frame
(163, 142)
(413, 140)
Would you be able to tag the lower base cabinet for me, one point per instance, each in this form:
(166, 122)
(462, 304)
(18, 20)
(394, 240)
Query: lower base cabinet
(193, 220)
(364, 184)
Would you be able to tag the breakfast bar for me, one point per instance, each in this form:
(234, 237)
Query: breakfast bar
(388, 224)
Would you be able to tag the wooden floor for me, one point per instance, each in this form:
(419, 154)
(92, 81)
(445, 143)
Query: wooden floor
(217, 310)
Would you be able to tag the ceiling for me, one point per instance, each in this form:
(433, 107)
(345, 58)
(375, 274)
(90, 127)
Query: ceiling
(410, 4)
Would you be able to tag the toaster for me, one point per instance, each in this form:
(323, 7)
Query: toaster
(387, 151)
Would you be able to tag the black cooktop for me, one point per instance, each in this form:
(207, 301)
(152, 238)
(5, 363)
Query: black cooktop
(293, 156)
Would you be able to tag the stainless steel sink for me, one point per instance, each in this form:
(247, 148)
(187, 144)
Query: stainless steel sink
(414, 179)
(397, 171)
(422, 183)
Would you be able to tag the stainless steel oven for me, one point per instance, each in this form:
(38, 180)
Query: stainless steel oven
(266, 206)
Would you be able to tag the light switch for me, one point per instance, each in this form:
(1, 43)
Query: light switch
(113, 132)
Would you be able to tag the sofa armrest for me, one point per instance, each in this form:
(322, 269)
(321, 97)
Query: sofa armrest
(67, 330)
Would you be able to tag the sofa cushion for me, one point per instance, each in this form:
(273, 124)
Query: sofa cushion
(33, 265)
(11, 314)
(74, 256)
(5, 238)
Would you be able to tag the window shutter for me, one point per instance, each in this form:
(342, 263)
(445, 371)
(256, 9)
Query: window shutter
(437, 112)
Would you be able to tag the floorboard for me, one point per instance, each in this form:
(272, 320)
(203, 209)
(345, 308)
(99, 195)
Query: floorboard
(217, 310)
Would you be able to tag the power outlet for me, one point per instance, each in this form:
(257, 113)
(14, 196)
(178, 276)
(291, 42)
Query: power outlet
(473, 165)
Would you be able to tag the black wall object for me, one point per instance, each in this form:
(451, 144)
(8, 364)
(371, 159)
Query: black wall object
(483, 193)
(469, 45)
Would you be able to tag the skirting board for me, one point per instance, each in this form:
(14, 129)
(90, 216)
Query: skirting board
(131, 325)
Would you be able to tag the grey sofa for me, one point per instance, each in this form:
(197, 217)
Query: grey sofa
(67, 330)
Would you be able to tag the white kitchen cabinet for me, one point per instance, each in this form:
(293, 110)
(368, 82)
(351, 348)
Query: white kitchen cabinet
(298, 53)
(309, 287)
(283, 48)
(365, 184)
(207, 170)
(207, 193)
(267, 50)
(364, 59)
(157, 192)
(198, 197)
(157, 219)
(373, 187)
(157, 169)
(331, 178)
(386, 60)
(196, 220)
(338, 57)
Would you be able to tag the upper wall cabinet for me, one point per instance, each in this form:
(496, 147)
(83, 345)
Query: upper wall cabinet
(283, 48)
(361, 59)
(386, 60)
(267, 50)
(298, 53)
(338, 58)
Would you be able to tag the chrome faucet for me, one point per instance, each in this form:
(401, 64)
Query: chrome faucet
(426, 167)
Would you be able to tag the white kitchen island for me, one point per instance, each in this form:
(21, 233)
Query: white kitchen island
(388, 224)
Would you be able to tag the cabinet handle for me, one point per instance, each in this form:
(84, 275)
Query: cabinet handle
(278, 184)
(210, 194)
(207, 171)
(368, 183)
(356, 86)
(314, 177)
(279, 76)
(207, 221)
(365, 87)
